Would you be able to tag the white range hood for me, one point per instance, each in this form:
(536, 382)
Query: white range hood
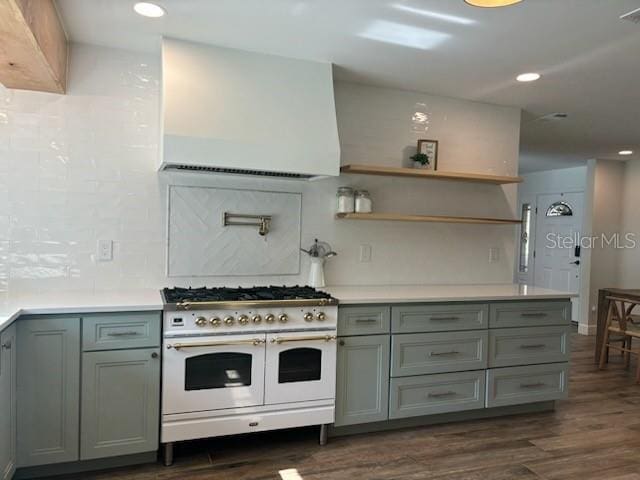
(231, 111)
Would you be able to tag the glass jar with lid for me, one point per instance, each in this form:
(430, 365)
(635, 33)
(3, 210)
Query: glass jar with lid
(346, 200)
(363, 202)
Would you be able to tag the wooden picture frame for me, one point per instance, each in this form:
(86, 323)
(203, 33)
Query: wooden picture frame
(430, 147)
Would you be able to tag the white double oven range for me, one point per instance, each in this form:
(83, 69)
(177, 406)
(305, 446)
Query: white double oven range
(238, 360)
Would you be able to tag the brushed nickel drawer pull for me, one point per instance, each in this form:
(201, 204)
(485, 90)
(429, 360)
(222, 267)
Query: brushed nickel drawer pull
(122, 334)
(255, 342)
(533, 314)
(366, 320)
(533, 385)
(326, 338)
(444, 319)
(443, 354)
(441, 395)
(532, 346)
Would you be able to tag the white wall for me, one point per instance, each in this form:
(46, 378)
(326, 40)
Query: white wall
(81, 167)
(607, 178)
(629, 259)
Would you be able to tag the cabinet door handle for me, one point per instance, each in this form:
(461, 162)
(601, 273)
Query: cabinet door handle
(533, 314)
(444, 319)
(154, 355)
(443, 354)
(7, 345)
(341, 342)
(533, 346)
(366, 320)
(122, 334)
(533, 385)
(441, 395)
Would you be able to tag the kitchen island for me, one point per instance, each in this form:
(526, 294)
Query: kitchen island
(425, 354)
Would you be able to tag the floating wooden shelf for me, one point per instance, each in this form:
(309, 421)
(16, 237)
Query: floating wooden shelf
(396, 217)
(430, 174)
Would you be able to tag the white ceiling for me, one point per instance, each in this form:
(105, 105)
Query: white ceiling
(589, 58)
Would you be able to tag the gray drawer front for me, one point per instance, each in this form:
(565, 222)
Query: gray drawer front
(439, 317)
(530, 314)
(369, 320)
(528, 346)
(535, 383)
(113, 331)
(423, 353)
(431, 394)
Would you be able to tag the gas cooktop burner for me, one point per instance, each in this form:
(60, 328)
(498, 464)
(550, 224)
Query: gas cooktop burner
(180, 295)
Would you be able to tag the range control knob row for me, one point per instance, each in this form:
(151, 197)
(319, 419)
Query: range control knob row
(322, 317)
(283, 318)
(215, 321)
(308, 317)
(270, 318)
(201, 321)
(229, 320)
(243, 319)
(256, 319)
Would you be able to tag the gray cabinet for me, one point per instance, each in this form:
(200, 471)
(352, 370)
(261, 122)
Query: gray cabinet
(362, 390)
(439, 317)
(368, 320)
(530, 314)
(432, 394)
(120, 406)
(113, 331)
(422, 353)
(528, 346)
(533, 383)
(48, 390)
(8, 403)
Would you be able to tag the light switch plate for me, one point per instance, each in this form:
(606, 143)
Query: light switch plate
(365, 253)
(105, 250)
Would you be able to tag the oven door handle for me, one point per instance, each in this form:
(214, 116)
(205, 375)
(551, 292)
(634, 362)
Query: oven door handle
(326, 338)
(255, 342)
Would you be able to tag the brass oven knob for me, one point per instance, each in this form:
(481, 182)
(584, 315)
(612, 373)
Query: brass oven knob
(270, 318)
(256, 319)
(308, 317)
(215, 321)
(201, 321)
(283, 318)
(243, 319)
(322, 317)
(229, 320)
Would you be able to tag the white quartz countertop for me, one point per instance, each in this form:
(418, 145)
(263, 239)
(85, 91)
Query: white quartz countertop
(78, 302)
(440, 293)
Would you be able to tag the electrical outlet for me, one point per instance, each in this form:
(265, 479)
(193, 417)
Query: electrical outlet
(494, 254)
(105, 250)
(365, 253)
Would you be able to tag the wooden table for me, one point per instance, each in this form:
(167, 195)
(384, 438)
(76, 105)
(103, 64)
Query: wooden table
(603, 307)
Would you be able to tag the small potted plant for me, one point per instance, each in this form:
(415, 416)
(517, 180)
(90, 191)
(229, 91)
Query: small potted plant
(420, 160)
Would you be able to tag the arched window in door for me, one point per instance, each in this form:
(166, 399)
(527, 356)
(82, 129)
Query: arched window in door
(559, 209)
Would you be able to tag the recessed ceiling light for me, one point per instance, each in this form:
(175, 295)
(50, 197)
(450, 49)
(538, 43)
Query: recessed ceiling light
(528, 77)
(625, 152)
(492, 3)
(147, 9)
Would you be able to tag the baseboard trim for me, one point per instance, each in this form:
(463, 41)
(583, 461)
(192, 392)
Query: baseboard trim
(69, 468)
(441, 418)
(587, 329)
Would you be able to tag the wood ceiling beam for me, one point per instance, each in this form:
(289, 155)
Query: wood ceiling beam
(33, 46)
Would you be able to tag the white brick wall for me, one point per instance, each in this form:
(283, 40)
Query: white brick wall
(81, 167)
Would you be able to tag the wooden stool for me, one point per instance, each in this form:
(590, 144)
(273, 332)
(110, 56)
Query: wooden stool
(622, 324)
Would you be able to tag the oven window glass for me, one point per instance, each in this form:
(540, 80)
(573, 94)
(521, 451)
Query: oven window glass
(217, 370)
(300, 365)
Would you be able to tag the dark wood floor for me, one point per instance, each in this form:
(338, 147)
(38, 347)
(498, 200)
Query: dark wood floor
(593, 435)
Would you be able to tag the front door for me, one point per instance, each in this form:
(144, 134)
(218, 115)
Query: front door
(558, 230)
